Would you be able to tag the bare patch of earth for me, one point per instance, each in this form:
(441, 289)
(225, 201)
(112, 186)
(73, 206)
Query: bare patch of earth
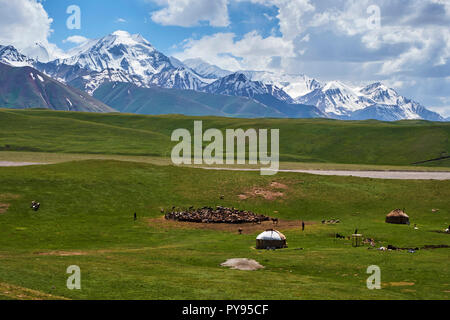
(3, 207)
(242, 264)
(270, 193)
(21, 293)
(247, 228)
(18, 164)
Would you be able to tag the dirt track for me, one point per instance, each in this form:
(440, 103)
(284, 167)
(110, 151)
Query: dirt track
(396, 175)
(18, 164)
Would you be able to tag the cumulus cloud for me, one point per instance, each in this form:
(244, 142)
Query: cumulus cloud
(23, 23)
(252, 51)
(187, 13)
(76, 39)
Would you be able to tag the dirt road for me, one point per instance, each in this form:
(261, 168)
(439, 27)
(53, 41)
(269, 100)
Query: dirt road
(396, 175)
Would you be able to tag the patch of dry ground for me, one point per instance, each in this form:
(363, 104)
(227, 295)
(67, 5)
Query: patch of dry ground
(97, 252)
(247, 228)
(399, 284)
(62, 253)
(3, 207)
(271, 193)
(242, 264)
(5, 197)
(21, 293)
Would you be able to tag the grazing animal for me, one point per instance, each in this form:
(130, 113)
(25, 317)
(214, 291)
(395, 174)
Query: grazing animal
(222, 197)
(340, 236)
(274, 220)
(240, 230)
(35, 205)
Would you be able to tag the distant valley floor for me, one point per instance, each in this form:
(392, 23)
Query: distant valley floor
(18, 159)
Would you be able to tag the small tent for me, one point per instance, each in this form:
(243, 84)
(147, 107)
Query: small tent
(271, 239)
(397, 216)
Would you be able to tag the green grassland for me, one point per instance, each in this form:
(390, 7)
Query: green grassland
(105, 167)
(301, 140)
(87, 207)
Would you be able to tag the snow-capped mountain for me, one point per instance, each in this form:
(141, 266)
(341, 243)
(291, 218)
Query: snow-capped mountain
(121, 56)
(335, 99)
(10, 56)
(92, 81)
(375, 101)
(121, 51)
(206, 70)
(37, 52)
(293, 85)
(237, 84)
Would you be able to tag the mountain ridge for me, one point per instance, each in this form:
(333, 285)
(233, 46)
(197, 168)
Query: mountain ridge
(25, 87)
(130, 58)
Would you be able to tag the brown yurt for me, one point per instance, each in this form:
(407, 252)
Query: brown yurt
(271, 239)
(397, 216)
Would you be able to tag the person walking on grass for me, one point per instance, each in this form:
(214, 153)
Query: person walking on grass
(303, 225)
(135, 216)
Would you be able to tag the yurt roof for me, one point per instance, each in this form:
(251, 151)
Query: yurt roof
(271, 235)
(397, 213)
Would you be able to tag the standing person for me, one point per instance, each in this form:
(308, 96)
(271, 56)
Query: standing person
(135, 216)
(303, 225)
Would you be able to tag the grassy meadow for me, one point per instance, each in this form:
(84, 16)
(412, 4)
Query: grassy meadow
(106, 167)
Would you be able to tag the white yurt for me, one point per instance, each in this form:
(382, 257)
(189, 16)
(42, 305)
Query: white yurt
(271, 239)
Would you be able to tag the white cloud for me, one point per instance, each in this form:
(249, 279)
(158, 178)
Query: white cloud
(188, 13)
(76, 39)
(121, 20)
(251, 52)
(23, 23)
(290, 14)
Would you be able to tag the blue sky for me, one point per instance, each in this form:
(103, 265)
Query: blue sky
(403, 43)
(101, 17)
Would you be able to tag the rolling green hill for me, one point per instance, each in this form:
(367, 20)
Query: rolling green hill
(301, 140)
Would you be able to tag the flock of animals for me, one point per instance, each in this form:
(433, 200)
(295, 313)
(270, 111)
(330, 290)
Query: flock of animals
(218, 215)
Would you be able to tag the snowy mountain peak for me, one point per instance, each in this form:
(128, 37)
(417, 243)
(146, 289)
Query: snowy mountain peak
(205, 69)
(124, 57)
(238, 84)
(122, 51)
(381, 94)
(38, 52)
(295, 85)
(11, 56)
(336, 85)
(236, 77)
(124, 37)
(375, 101)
